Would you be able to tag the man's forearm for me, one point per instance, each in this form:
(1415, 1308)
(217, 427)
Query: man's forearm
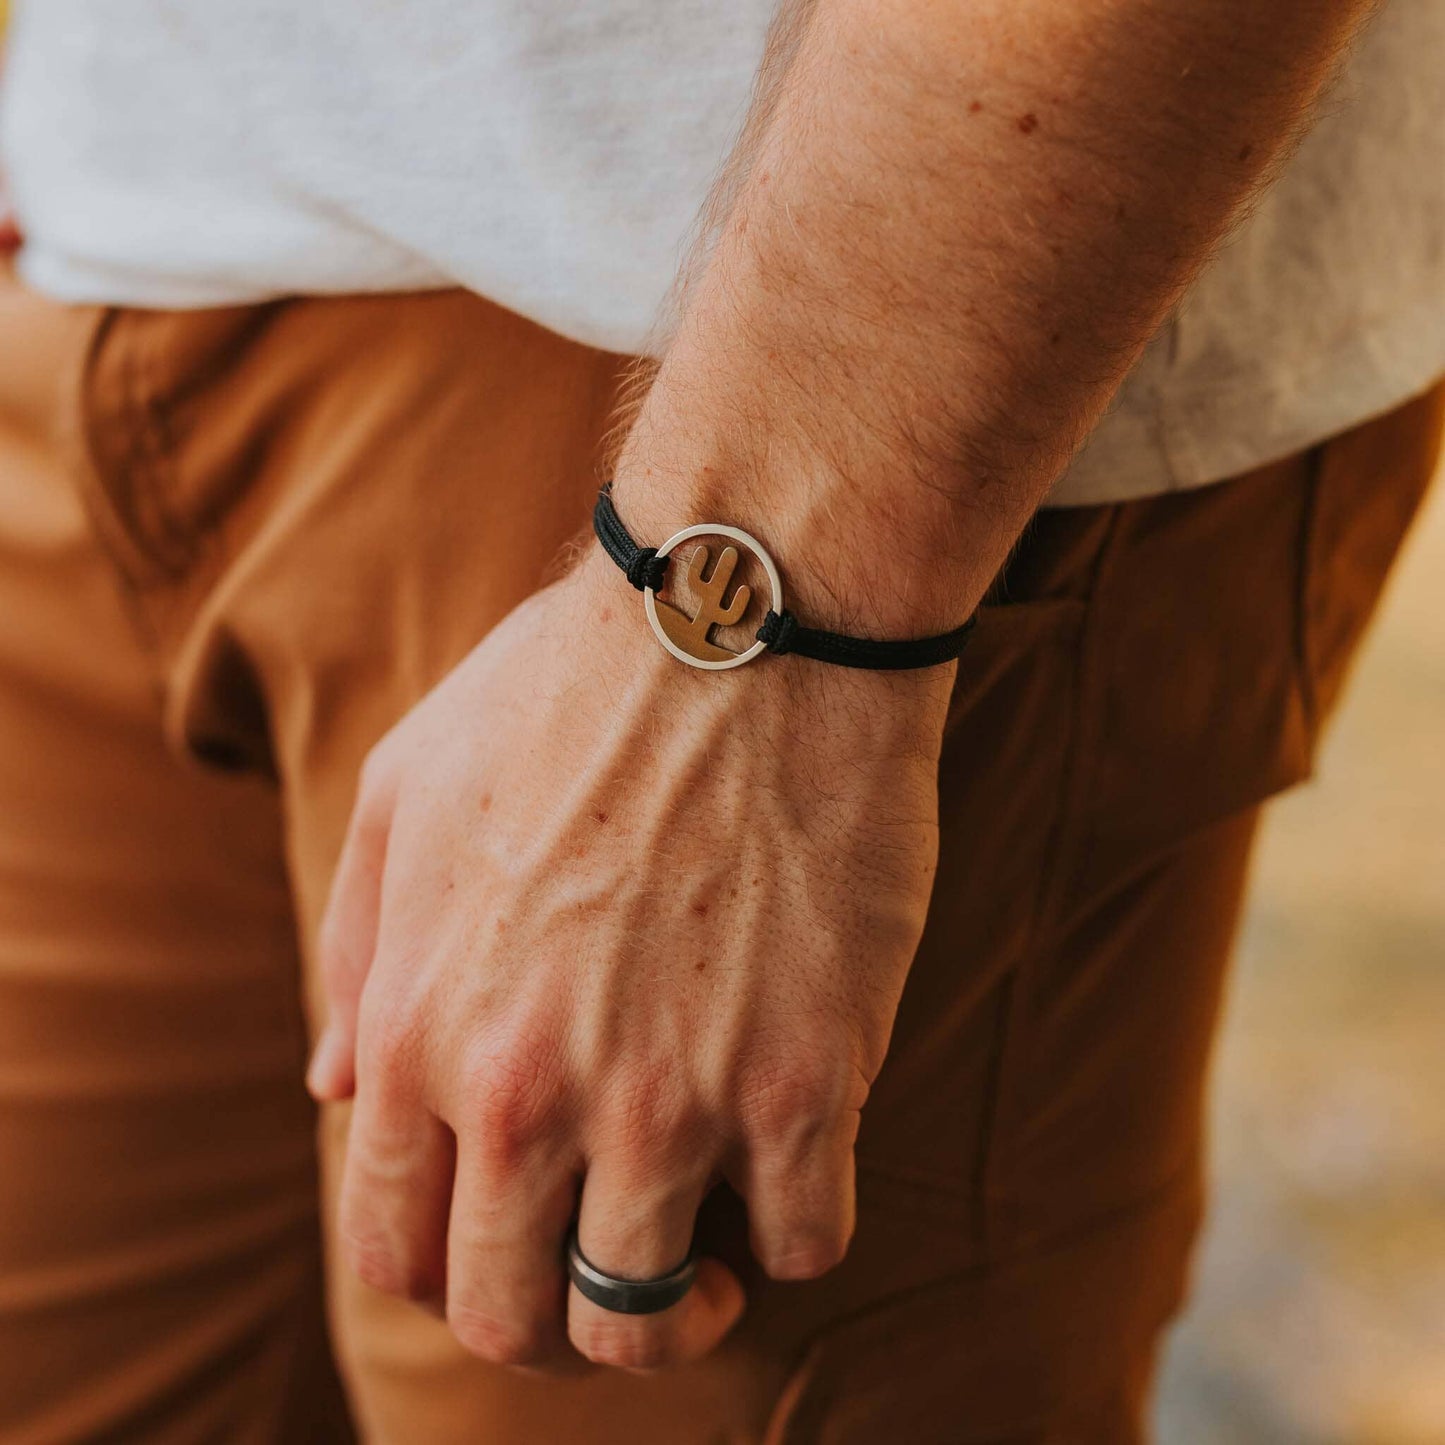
(948, 232)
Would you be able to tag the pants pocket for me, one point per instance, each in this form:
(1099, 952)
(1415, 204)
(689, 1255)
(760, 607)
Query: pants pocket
(1367, 490)
(1053, 1347)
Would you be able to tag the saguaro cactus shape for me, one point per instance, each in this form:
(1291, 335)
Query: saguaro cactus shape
(690, 634)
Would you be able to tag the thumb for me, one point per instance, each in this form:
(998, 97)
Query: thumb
(346, 942)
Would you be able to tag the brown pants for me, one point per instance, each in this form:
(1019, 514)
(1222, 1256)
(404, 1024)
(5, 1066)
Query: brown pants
(236, 545)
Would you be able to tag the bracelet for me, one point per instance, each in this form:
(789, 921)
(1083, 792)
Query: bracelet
(690, 639)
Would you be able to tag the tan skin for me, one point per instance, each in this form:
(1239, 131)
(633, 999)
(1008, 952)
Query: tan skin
(607, 928)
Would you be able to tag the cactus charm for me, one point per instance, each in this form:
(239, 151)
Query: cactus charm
(691, 634)
(689, 638)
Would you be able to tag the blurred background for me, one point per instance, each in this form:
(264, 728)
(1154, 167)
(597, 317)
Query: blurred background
(1319, 1311)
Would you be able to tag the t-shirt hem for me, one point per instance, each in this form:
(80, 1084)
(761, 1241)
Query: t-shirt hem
(1191, 437)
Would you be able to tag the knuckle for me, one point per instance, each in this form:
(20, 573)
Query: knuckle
(510, 1098)
(379, 1265)
(498, 1341)
(650, 1116)
(389, 1039)
(808, 1255)
(622, 1346)
(798, 1096)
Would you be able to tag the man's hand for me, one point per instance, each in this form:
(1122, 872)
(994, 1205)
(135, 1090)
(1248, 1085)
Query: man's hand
(607, 929)
(604, 922)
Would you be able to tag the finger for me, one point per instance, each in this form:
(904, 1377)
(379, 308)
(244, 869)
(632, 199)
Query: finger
(506, 1282)
(628, 1229)
(801, 1201)
(346, 942)
(395, 1194)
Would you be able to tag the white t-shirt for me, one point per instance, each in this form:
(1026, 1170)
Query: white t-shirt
(551, 155)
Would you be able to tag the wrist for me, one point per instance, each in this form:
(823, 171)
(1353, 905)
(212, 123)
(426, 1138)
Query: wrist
(879, 557)
(884, 713)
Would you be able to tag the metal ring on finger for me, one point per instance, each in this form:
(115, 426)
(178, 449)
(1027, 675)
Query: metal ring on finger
(625, 1296)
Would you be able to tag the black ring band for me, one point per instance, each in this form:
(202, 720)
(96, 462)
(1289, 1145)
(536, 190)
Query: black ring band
(781, 632)
(628, 1296)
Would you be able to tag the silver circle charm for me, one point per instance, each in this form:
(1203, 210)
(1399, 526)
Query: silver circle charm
(689, 638)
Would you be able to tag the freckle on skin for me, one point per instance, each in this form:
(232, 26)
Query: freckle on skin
(1245, 152)
(484, 803)
(700, 908)
(604, 614)
(600, 814)
(1028, 123)
(974, 106)
(700, 966)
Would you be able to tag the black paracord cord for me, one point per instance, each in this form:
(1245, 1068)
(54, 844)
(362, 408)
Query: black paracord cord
(780, 632)
(644, 568)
